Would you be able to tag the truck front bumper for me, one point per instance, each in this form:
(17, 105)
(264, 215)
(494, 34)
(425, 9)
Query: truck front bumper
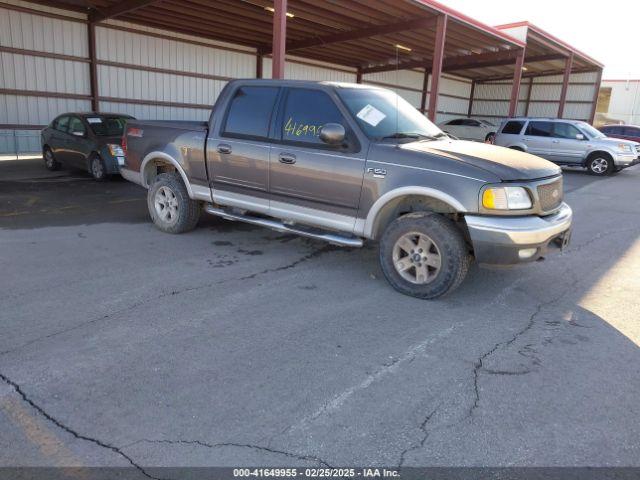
(510, 240)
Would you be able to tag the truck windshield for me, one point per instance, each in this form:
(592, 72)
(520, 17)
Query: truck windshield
(104, 126)
(384, 114)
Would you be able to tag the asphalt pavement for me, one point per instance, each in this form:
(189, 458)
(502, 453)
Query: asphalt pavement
(235, 345)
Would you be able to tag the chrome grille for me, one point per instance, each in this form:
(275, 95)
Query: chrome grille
(550, 195)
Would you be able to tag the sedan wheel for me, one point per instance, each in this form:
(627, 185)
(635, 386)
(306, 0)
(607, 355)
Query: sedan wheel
(50, 161)
(97, 169)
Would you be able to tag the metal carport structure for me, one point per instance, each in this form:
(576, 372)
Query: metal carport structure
(118, 48)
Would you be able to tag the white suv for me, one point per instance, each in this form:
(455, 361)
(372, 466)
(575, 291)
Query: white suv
(568, 142)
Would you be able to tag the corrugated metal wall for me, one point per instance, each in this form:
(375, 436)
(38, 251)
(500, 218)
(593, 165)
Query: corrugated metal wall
(26, 79)
(491, 100)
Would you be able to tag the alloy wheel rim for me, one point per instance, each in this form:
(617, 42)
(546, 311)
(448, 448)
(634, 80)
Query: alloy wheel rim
(48, 158)
(166, 205)
(599, 165)
(417, 258)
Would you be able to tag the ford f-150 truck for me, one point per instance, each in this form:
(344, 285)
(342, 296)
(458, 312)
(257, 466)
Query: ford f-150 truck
(347, 163)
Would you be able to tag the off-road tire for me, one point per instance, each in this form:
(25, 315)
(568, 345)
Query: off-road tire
(50, 161)
(98, 169)
(595, 165)
(187, 210)
(454, 255)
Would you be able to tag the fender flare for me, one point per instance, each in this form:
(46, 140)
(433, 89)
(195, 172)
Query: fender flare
(167, 158)
(366, 226)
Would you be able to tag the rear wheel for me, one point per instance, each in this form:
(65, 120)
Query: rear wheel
(170, 207)
(423, 255)
(50, 161)
(600, 164)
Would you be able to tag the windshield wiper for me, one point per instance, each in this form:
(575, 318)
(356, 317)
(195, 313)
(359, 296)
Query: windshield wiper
(406, 135)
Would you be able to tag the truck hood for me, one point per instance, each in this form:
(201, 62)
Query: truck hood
(505, 163)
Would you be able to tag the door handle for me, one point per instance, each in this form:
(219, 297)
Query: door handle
(288, 158)
(224, 148)
(555, 141)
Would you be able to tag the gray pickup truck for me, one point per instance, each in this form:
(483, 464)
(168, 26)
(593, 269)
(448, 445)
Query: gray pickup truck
(347, 163)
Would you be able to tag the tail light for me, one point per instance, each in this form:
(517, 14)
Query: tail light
(124, 142)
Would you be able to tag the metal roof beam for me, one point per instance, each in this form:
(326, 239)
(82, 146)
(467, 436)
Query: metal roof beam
(126, 6)
(362, 33)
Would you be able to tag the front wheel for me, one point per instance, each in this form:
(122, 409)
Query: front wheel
(50, 161)
(600, 165)
(423, 255)
(170, 207)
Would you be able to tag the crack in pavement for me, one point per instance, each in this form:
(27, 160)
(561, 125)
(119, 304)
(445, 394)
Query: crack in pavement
(479, 364)
(69, 430)
(200, 443)
(599, 236)
(423, 428)
(295, 263)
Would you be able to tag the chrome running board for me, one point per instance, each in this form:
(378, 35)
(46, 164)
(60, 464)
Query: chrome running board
(281, 227)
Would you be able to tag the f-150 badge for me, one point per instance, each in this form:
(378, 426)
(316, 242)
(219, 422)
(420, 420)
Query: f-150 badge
(377, 172)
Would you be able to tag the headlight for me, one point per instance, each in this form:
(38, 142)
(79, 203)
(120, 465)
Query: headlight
(623, 147)
(115, 150)
(506, 198)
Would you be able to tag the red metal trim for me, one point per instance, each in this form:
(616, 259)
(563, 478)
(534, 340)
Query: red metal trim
(182, 73)
(461, 17)
(38, 53)
(623, 81)
(41, 13)
(279, 38)
(436, 68)
(565, 84)
(598, 83)
(515, 88)
(40, 93)
(156, 103)
(544, 33)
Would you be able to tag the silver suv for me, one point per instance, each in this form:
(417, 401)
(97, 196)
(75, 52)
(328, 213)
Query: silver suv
(568, 142)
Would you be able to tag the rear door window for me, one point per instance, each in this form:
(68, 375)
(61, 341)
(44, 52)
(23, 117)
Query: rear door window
(62, 124)
(539, 129)
(455, 123)
(76, 127)
(250, 111)
(513, 127)
(305, 112)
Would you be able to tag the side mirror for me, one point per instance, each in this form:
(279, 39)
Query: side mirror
(579, 136)
(332, 133)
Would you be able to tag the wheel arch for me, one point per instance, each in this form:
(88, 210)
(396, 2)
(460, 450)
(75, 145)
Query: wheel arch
(406, 200)
(155, 163)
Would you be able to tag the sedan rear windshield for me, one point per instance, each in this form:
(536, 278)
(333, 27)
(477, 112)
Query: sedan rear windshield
(107, 126)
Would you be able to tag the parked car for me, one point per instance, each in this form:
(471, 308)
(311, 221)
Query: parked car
(346, 163)
(89, 141)
(626, 132)
(470, 129)
(568, 142)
